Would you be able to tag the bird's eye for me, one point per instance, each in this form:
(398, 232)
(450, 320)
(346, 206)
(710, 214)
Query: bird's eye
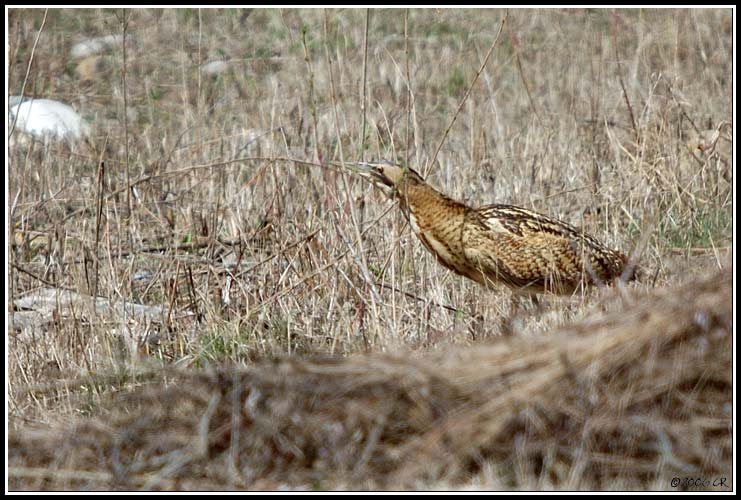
(383, 177)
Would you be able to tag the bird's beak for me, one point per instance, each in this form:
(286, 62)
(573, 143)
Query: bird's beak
(370, 171)
(360, 168)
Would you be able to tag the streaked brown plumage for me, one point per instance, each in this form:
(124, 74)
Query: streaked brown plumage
(522, 249)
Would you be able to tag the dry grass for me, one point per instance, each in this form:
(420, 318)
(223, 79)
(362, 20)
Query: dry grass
(628, 399)
(250, 258)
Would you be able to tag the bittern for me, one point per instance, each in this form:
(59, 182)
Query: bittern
(496, 244)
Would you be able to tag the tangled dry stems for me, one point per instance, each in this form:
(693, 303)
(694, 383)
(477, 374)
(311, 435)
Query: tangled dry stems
(626, 398)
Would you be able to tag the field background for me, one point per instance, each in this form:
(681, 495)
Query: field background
(592, 116)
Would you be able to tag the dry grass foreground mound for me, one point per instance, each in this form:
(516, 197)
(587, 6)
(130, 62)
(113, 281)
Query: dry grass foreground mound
(628, 399)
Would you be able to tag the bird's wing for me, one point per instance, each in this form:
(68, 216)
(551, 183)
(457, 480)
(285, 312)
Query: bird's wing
(526, 249)
(542, 262)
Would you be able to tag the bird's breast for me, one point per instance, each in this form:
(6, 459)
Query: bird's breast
(413, 221)
(427, 236)
(440, 236)
(437, 247)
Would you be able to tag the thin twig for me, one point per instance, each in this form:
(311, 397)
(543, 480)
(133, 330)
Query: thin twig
(620, 78)
(465, 97)
(679, 105)
(409, 84)
(420, 299)
(333, 95)
(283, 250)
(28, 70)
(38, 278)
(365, 82)
(360, 255)
(318, 272)
(200, 242)
(98, 221)
(200, 63)
(124, 27)
(311, 96)
(181, 171)
(516, 47)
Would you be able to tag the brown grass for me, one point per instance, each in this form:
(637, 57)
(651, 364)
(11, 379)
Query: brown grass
(627, 399)
(247, 258)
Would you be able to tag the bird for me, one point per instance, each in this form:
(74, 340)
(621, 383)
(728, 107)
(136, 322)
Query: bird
(717, 141)
(716, 145)
(498, 244)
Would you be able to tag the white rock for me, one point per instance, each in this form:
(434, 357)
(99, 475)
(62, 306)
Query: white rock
(46, 119)
(95, 45)
(215, 67)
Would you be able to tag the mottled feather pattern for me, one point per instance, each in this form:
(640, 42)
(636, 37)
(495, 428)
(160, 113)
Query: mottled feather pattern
(499, 244)
(544, 249)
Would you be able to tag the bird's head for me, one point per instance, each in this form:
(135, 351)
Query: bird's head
(385, 175)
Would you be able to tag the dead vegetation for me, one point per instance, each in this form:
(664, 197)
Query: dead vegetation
(626, 399)
(210, 309)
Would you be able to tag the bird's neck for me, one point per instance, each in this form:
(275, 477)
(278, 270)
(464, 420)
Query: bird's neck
(427, 205)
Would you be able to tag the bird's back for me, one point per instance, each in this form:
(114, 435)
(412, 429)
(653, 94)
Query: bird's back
(531, 252)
